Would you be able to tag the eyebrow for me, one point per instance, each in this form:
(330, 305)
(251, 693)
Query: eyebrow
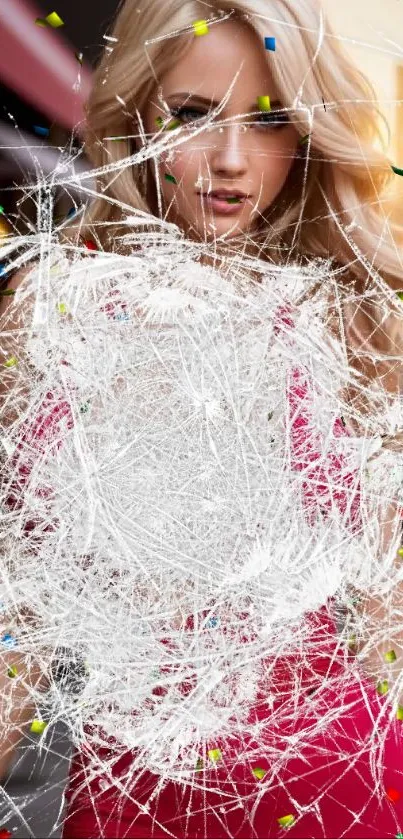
(205, 101)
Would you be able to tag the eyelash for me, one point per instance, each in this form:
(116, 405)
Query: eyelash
(273, 119)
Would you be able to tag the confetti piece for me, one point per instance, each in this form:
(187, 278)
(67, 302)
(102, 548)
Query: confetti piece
(399, 836)
(400, 295)
(199, 765)
(71, 212)
(393, 794)
(41, 131)
(264, 103)
(40, 21)
(304, 140)
(396, 170)
(1, 210)
(84, 408)
(159, 121)
(270, 44)
(215, 755)
(170, 178)
(399, 712)
(91, 246)
(7, 292)
(12, 672)
(8, 641)
(38, 726)
(213, 622)
(200, 27)
(382, 687)
(54, 20)
(4, 833)
(79, 56)
(259, 773)
(234, 200)
(286, 821)
(390, 656)
(62, 308)
(400, 552)
(11, 362)
(172, 125)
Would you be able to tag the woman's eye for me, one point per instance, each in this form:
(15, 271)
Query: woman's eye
(187, 114)
(272, 119)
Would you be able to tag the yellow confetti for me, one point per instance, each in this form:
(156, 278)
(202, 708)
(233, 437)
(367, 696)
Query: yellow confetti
(40, 21)
(62, 308)
(259, 773)
(38, 726)
(399, 712)
(263, 103)
(215, 755)
(11, 362)
(286, 821)
(383, 687)
(12, 672)
(390, 656)
(54, 20)
(400, 552)
(200, 27)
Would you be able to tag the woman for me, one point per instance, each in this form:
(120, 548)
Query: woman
(284, 182)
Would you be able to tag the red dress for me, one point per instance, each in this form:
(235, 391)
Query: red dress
(333, 772)
(326, 789)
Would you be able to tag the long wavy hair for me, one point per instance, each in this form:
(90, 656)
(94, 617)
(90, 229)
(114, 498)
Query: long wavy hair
(332, 203)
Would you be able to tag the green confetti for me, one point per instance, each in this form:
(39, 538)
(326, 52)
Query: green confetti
(382, 687)
(390, 656)
(54, 20)
(399, 712)
(7, 292)
(38, 726)
(286, 821)
(259, 773)
(200, 27)
(199, 765)
(174, 124)
(304, 139)
(62, 308)
(234, 200)
(396, 170)
(170, 178)
(215, 755)
(11, 362)
(1, 210)
(400, 295)
(263, 103)
(12, 672)
(40, 22)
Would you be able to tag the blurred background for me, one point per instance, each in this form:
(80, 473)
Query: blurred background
(45, 76)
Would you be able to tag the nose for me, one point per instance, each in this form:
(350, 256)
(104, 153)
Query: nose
(230, 153)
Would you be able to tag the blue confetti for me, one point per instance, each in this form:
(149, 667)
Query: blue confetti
(8, 640)
(212, 623)
(41, 131)
(270, 44)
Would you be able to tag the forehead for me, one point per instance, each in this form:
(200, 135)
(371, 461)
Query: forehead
(213, 61)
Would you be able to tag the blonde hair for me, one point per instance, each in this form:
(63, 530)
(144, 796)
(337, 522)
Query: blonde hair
(339, 185)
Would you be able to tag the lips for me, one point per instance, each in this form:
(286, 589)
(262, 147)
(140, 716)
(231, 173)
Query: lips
(225, 194)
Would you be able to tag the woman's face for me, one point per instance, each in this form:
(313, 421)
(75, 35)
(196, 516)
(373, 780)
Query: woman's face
(252, 153)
